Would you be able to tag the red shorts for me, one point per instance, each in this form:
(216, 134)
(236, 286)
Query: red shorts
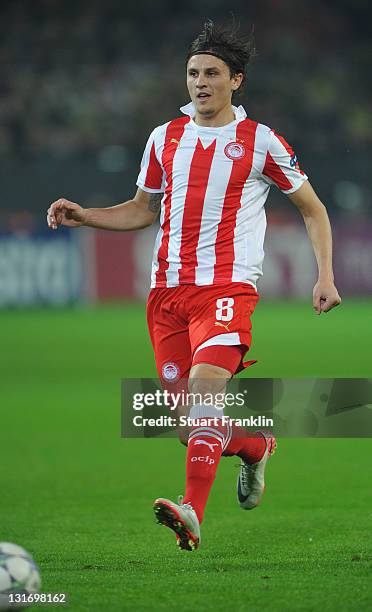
(185, 320)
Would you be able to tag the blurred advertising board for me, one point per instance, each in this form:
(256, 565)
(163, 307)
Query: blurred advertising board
(290, 268)
(39, 268)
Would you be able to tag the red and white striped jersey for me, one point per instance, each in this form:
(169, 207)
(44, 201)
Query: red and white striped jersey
(215, 182)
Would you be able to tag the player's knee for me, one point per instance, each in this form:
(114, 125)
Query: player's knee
(207, 378)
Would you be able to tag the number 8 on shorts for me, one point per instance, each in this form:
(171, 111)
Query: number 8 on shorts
(224, 311)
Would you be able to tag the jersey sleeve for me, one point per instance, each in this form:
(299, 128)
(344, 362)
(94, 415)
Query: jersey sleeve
(281, 166)
(151, 176)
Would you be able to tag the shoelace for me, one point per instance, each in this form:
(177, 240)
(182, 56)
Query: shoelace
(188, 505)
(246, 471)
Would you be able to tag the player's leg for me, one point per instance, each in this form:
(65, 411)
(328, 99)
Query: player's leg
(231, 306)
(208, 436)
(254, 447)
(205, 444)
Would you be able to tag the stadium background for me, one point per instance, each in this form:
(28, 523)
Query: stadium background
(82, 86)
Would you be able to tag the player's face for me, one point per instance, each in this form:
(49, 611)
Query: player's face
(210, 84)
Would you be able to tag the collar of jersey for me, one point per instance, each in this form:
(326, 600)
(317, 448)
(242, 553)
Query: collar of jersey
(189, 109)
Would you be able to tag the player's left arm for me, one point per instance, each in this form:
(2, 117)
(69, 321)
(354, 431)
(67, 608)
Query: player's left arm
(314, 213)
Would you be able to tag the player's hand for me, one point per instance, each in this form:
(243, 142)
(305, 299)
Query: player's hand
(64, 212)
(325, 296)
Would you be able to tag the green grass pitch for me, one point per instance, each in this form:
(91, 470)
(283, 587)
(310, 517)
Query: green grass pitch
(79, 497)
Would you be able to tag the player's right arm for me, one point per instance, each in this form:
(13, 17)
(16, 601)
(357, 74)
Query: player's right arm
(134, 214)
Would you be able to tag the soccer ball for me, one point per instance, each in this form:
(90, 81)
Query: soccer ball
(18, 574)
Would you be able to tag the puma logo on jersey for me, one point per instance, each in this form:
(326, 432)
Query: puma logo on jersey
(175, 140)
(210, 446)
(223, 325)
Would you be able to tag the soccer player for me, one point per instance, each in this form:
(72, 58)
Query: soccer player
(209, 172)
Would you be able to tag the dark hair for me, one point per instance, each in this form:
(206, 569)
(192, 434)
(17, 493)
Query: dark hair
(227, 44)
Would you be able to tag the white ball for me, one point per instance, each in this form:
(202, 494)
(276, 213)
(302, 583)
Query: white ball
(18, 573)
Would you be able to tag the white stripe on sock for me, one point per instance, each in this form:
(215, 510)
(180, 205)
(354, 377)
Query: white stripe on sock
(209, 434)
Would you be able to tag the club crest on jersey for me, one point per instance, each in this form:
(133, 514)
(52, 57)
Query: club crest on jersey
(234, 150)
(170, 372)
